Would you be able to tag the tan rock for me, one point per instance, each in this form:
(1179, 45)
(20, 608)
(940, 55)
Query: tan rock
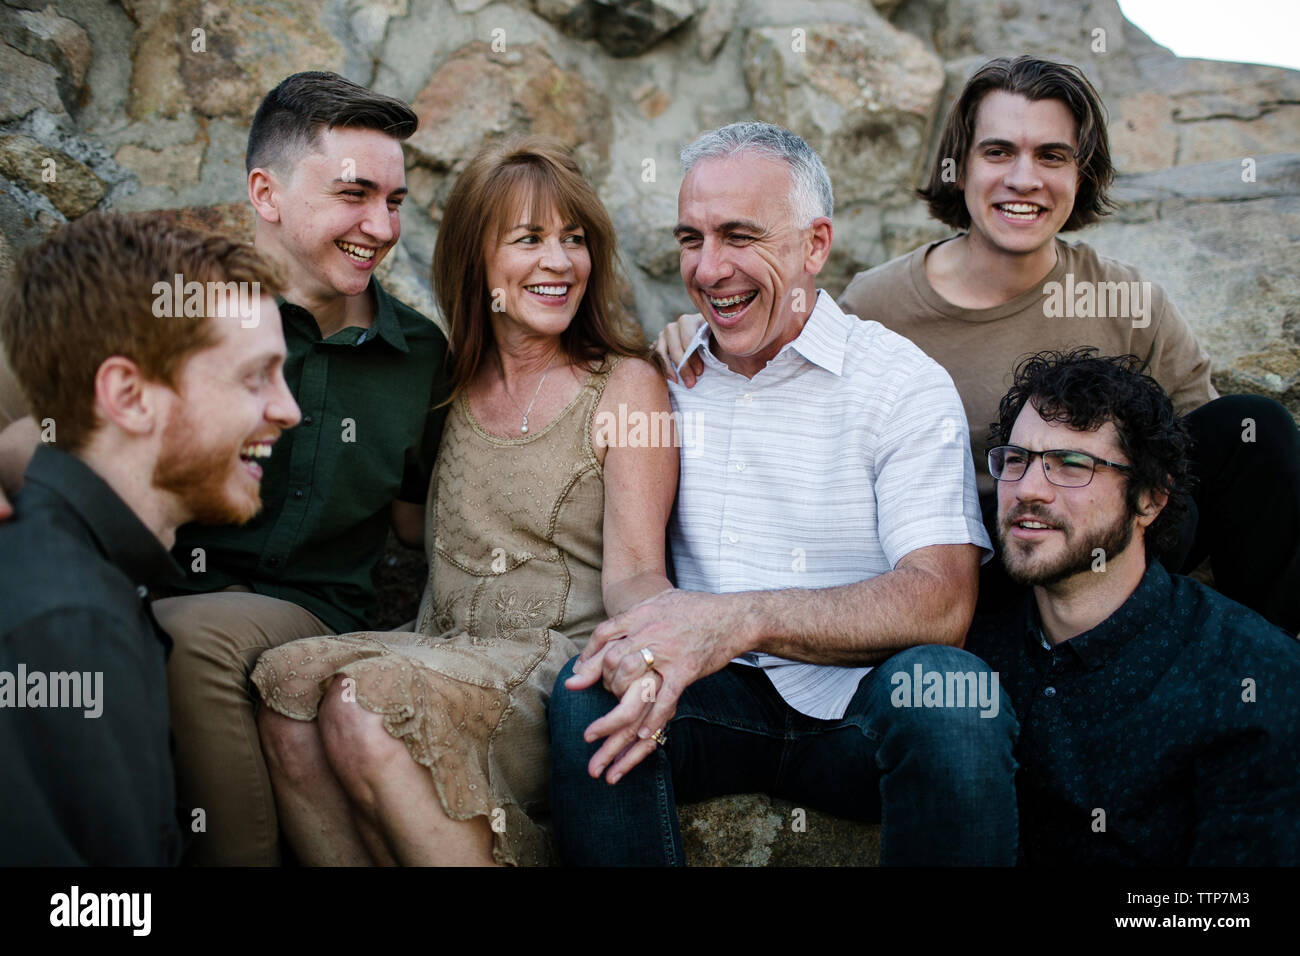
(862, 96)
(1273, 373)
(1143, 135)
(174, 167)
(221, 59)
(1274, 131)
(69, 185)
(651, 99)
(533, 95)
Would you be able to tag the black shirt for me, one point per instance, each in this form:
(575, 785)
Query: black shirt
(88, 781)
(368, 437)
(1164, 736)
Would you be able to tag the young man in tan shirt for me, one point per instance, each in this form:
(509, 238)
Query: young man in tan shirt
(1023, 156)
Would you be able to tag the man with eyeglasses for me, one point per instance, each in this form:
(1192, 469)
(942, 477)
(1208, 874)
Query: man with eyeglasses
(1157, 717)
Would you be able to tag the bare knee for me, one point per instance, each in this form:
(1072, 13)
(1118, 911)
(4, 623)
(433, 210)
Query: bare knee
(358, 746)
(292, 747)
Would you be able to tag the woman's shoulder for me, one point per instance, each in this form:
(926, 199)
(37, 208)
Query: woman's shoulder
(627, 377)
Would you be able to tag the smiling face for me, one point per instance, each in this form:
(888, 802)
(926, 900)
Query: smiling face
(1020, 177)
(338, 211)
(536, 271)
(1048, 533)
(230, 404)
(745, 263)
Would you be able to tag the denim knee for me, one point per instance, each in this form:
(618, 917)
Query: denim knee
(570, 712)
(944, 694)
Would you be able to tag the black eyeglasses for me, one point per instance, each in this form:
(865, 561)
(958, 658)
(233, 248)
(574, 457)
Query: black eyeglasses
(1064, 468)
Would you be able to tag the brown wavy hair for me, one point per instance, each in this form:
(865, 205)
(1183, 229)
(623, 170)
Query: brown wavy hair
(1034, 79)
(477, 211)
(86, 292)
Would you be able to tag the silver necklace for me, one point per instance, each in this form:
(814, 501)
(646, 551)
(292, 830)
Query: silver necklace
(523, 429)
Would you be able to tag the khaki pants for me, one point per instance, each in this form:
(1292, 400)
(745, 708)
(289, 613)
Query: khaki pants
(219, 765)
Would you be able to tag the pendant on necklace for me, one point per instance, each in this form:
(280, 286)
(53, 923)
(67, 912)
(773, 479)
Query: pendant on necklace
(524, 427)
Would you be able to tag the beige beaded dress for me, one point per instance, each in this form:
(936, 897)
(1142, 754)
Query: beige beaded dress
(514, 546)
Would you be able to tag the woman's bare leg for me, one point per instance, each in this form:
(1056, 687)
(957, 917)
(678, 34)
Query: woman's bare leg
(394, 793)
(313, 809)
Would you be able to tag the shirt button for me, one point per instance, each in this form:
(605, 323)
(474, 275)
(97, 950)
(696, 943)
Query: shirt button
(748, 398)
(732, 538)
(142, 591)
(297, 492)
(740, 466)
(306, 419)
(1049, 691)
(273, 562)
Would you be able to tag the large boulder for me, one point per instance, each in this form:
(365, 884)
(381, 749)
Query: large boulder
(862, 96)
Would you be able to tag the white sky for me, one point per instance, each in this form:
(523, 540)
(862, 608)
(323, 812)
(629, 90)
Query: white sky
(1252, 31)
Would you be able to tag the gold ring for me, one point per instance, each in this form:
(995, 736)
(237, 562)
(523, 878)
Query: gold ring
(648, 656)
(659, 737)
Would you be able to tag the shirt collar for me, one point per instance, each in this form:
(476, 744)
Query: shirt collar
(387, 326)
(822, 340)
(1140, 611)
(120, 535)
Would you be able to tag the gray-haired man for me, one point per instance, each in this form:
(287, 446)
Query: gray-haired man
(826, 521)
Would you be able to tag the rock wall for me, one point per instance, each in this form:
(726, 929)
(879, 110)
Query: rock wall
(145, 104)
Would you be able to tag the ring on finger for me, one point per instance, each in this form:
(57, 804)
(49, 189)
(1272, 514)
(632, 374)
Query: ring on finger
(659, 737)
(648, 656)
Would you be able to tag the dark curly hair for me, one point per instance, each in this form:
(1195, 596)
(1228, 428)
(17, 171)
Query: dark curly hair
(1035, 79)
(1084, 390)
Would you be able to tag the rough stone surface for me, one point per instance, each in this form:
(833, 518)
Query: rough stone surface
(863, 97)
(521, 90)
(70, 187)
(757, 830)
(29, 84)
(220, 59)
(623, 28)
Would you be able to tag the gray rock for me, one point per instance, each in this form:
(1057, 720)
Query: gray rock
(862, 96)
(29, 84)
(622, 27)
(757, 830)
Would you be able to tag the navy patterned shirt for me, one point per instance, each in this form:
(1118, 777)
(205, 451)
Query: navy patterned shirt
(1164, 736)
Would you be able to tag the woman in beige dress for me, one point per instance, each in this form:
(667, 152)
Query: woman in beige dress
(430, 747)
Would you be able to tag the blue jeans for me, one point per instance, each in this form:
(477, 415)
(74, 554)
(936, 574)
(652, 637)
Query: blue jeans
(940, 779)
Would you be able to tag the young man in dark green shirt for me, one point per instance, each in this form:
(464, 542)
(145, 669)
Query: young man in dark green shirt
(160, 418)
(326, 178)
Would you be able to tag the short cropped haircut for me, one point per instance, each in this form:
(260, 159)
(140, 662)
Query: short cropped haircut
(497, 181)
(85, 293)
(291, 117)
(810, 187)
(1035, 80)
(1084, 391)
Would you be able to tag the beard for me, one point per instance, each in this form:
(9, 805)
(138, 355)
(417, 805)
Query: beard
(1076, 559)
(200, 475)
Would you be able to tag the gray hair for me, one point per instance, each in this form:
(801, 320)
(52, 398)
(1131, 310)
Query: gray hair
(810, 187)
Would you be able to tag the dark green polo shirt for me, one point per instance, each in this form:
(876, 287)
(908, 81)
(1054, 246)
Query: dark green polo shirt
(369, 434)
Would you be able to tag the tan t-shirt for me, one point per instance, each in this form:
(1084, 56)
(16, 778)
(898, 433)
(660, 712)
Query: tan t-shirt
(980, 347)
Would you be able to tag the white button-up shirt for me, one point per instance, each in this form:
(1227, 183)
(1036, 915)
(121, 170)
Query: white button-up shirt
(848, 450)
